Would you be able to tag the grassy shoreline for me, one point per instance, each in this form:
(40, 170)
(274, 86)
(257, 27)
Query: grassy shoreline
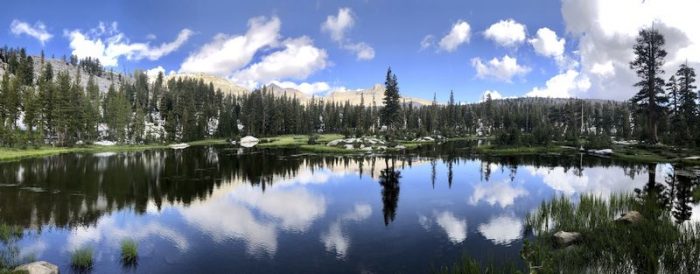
(637, 154)
(632, 153)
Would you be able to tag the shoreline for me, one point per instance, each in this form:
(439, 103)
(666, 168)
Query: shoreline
(632, 153)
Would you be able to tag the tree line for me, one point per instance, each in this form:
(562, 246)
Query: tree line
(54, 108)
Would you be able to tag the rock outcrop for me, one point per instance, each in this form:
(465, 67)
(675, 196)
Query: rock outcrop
(39, 267)
(564, 239)
(632, 217)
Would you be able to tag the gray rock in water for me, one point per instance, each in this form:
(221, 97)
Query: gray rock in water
(563, 238)
(39, 267)
(631, 217)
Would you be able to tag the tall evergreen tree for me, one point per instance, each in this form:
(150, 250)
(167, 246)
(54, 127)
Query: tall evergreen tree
(392, 106)
(648, 65)
(688, 102)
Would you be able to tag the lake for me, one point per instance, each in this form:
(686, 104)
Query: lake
(219, 209)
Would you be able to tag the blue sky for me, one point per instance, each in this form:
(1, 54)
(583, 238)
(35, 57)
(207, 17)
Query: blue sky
(432, 46)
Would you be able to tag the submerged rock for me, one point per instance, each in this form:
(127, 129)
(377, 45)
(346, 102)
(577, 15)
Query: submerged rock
(39, 267)
(563, 238)
(631, 217)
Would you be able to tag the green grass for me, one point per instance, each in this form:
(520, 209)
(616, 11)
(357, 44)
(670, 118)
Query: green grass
(654, 245)
(81, 258)
(129, 251)
(295, 140)
(512, 151)
(468, 265)
(12, 154)
(8, 232)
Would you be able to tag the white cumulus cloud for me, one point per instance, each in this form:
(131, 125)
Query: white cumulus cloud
(153, 73)
(37, 31)
(307, 88)
(337, 26)
(362, 50)
(495, 95)
(226, 53)
(107, 44)
(507, 33)
(504, 69)
(459, 34)
(606, 32)
(299, 59)
(546, 43)
(563, 85)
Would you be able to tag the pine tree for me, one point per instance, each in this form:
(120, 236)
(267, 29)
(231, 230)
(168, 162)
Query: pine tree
(688, 99)
(4, 86)
(91, 108)
(392, 107)
(31, 107)
(648, 65)
(63, 112)
(47, 100)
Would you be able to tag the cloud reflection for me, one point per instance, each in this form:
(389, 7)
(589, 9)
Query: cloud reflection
(502, 230)
(455, 228)
(599, 181)
(501, 192)
(334, 239)
(108, 231)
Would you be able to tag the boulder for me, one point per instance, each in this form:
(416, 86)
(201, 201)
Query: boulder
(631, 217)
(334, 142)
(39, 267)
(349, 146)
(563, 238)
(104, 143)
(248, 141)
(606, 151)
(179, 146)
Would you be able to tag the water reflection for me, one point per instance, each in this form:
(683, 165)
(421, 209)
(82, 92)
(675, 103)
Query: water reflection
(389, 180)
(504, 193)
(455, 228)
(337, 241)
(502, 230)
(285, 212)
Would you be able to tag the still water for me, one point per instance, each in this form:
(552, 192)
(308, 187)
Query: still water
(223, 210)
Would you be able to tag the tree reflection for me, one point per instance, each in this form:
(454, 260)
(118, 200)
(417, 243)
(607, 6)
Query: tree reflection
(389, 180)
(77, 189)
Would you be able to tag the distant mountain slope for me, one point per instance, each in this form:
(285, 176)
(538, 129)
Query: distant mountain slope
(103, 81)
(375, 93)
